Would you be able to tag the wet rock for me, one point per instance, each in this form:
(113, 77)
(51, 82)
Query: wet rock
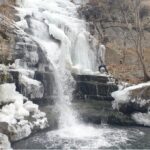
(94, 87)
(97, 112)
(87, 88)
(4, 128)
(133, 107)
(82, 78)
(48, 81)
(118, 118)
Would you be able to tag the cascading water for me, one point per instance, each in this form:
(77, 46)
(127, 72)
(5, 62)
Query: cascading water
(54, 24)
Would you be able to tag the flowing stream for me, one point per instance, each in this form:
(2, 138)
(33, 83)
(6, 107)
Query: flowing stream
(55, 25)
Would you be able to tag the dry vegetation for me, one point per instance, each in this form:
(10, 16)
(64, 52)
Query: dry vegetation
(124, 27)
(6, 10)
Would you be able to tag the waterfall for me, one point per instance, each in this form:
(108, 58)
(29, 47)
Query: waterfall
(58, 21)
(54, 24)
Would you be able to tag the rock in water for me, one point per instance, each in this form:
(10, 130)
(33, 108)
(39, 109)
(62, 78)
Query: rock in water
(134, 101)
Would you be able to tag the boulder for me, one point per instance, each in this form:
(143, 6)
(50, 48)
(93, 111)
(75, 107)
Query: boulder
(133, 99)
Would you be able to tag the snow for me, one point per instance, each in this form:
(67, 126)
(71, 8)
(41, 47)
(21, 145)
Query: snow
(41, 123)
(123, 96)
(33, 87)
(9, 113)
(29, 106)
(26, 80)
(9, 93)
(39, 115)
(142, 118)
(22, 24)
(4, 142)
(15, 112)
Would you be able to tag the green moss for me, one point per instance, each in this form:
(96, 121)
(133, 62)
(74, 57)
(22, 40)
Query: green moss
(5, 78)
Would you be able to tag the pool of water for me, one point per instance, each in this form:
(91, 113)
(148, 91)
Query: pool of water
(89, 137)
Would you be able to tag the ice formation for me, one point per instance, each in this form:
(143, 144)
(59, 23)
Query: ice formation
(17, 110)
(4, 142)
(101, 54)
(123, 96)
(33, 88)
(59, 20)
(142, 118)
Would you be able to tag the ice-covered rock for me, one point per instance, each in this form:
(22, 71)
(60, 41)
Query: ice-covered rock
(134, 101)
(142, 118)
(19, 131)
(134, 94)
(32, 88)
(30, 106)
(4, 142)
(8, 93)
(21, 115)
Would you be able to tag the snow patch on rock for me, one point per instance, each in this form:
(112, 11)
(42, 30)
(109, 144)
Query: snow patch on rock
(33, 87)
(4, 142)
(123, 96)
(142, 118)
(21, 114)
(133, 95)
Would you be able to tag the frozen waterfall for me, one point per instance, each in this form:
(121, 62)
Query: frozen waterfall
(54, 24)
(58, 21)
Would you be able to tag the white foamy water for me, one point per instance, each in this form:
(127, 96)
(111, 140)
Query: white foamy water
(55, 25)
(86, 137)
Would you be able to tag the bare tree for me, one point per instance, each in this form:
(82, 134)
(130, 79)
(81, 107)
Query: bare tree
(135, 24)
(129, 16)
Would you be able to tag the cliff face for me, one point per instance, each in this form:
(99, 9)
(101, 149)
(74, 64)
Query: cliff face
(25, 76)
(108, 24)
(7, 14)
